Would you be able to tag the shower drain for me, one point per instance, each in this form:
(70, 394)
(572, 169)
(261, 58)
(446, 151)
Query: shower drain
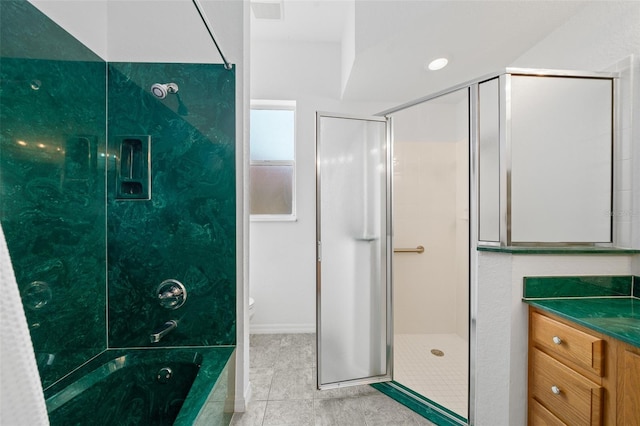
(437, 352)
(164, 375)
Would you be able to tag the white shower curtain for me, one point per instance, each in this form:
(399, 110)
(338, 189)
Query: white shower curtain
(21, 396)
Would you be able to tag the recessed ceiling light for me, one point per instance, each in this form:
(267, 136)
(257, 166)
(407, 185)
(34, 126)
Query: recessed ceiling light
(438, 64)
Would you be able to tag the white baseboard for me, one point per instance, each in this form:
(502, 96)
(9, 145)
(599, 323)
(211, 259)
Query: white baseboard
(281, 328)
(240, 405)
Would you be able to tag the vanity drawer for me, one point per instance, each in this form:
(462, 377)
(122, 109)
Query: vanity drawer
(540, 416)
(579, 347)
(571, 397)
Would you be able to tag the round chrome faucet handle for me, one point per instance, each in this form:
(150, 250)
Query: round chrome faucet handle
(171, 294)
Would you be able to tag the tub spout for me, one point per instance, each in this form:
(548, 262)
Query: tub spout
(162, 331)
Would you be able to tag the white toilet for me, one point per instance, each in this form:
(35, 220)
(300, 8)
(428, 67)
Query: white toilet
(251, 308)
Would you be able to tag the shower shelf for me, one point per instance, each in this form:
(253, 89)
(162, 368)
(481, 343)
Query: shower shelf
(133, 181)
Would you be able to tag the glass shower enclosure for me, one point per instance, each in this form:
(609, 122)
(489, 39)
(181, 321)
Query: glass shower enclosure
(464, 167)
(395, 286)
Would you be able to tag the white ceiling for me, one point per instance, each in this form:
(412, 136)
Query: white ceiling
(395, 39)
(303, 20)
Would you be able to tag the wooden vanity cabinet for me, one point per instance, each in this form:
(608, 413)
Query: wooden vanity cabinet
(628, 401)
(580, 377)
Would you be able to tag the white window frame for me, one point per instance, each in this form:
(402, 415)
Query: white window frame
(277, 105)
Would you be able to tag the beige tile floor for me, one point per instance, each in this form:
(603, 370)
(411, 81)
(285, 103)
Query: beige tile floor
(282, 375)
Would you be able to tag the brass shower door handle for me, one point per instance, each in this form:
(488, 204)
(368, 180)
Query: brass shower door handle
(419, 249)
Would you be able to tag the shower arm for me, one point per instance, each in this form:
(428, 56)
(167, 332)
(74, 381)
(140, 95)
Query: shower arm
(205, 21)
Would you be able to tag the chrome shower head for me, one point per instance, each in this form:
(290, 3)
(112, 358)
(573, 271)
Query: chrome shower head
(160, 90)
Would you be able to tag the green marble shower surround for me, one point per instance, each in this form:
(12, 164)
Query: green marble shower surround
(577, 286)
(186, 231)
(52, 185)
(58, 157)
(141, 386)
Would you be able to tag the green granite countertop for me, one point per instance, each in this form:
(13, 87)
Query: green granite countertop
(609, 304)
(617, 317)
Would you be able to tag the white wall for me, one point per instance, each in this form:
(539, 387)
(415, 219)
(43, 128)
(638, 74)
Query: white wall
(85, 20)
(283, 267)
(172, 31)
(144, 31)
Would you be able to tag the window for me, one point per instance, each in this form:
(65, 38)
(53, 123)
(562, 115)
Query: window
(272, 167)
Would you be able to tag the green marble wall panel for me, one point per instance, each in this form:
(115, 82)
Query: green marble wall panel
(52, 185)
(53, 166)
(186, 231)
(577, 286)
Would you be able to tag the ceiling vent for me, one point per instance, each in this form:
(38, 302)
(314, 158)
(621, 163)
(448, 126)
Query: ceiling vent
(267, 9)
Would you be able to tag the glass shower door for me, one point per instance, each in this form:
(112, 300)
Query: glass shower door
(353, 303)
(431, 285)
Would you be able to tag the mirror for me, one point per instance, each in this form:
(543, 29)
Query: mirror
(561, 159)
(545, 161)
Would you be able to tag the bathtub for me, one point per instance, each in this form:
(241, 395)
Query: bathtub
(163, 386)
